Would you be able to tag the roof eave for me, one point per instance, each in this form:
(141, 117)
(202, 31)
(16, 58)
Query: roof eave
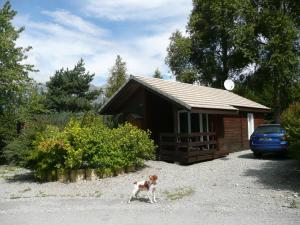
(111, 99)
(179, 102)
(253, 109)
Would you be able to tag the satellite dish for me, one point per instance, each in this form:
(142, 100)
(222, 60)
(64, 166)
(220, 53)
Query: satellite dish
(229, 85)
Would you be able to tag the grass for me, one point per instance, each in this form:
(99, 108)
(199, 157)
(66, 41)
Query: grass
(25, 190)
(13, 196)
(7, 172)
(43, 194)
(293, 204)
(179, 193)
(9, 169)
(97, 194)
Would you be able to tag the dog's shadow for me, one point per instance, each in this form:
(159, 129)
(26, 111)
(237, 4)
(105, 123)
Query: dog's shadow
(141, 199)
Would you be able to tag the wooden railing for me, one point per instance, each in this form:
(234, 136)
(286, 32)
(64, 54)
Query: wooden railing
(187, 148)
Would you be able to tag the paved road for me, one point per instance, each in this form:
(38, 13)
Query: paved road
(234, 190)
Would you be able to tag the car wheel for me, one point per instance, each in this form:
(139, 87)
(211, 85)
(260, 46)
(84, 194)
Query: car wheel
(257, 154)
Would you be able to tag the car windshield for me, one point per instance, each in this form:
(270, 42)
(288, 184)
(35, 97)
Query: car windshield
(268, 129)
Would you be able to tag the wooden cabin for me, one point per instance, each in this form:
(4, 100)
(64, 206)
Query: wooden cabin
(189, 123)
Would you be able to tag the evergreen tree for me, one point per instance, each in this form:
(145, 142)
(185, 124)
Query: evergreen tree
(117, 77)
(13, 73)
(68, 90)
(157, 74)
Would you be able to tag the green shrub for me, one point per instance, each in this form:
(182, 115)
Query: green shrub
(88, 143)
(51, 150)
(8, 131)
(18, 149)
(290, 120)
(135, 144)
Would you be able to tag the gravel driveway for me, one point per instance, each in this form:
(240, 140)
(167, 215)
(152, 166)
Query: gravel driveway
(237, 189)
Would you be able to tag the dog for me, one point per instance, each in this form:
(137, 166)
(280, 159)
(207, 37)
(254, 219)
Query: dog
(147, 185)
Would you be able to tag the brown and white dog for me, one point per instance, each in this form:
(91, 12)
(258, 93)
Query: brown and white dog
(146, 185)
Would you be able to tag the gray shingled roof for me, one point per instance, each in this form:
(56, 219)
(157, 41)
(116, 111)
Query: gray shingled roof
(195, 96)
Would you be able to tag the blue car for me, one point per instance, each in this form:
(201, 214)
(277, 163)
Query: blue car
(268, 138)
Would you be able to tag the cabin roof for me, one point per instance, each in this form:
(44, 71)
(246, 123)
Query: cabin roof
(188, 96)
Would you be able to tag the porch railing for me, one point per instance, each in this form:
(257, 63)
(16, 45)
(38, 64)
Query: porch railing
(187, 148)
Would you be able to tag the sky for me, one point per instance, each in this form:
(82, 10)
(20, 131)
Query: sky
(63, 31)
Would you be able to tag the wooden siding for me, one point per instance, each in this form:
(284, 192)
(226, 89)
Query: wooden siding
(234, 136)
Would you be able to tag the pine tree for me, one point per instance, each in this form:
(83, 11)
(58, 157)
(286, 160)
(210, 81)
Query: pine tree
(68, 90)
(117, 77)
(157, 74)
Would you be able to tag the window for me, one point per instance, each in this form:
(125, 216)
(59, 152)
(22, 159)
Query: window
(195, 123)
(192, 122)
(183, 122)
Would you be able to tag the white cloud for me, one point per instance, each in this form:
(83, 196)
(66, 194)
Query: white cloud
(62, 38)
(138, 9)
(67, 19)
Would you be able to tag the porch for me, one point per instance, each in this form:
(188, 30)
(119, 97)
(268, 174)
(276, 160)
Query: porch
(187, 148)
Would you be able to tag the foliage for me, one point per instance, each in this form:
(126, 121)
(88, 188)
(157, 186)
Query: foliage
(291, 122)
(68, 90)
(209, 54)
(88, 143)
(117, 77)
(255, 43)
(134, 144)
(16, 152)
(275, 52)
(33, 103)
(157, 74)
(14, 73)
(50, 151)
(212, 27)
(179, 58)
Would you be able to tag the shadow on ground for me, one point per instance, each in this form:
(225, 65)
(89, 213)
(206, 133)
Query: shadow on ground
(276, 172)
(141, 199)
(26, 177)
(269, 156)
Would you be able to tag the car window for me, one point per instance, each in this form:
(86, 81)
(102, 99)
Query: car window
(268, 129)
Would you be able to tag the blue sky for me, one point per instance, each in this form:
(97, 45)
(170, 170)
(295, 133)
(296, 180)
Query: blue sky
(61, 32)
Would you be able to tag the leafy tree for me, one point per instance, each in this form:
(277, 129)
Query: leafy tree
(274, 48)
(68, 90)
(179, 58)
(209, 54)
(157, 74)
(254, 42)
(117, 77)
(13, 73)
